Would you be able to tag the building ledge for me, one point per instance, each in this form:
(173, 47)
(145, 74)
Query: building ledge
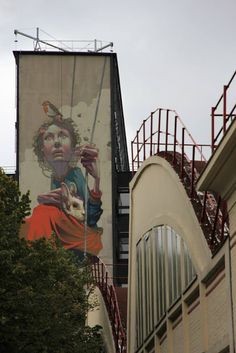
(219, 174)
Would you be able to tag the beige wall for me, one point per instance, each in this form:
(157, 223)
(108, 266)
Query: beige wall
(232, 223)
(194, 327)
(99, 316)
(204, 324)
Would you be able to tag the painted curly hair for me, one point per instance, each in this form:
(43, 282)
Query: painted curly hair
(67, 124)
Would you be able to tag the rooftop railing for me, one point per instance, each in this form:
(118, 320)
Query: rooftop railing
(223, 113)
(164, 134)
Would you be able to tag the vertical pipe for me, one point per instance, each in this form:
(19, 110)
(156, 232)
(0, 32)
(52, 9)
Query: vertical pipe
(137, 149)
(175, 134)
(37, 39)
(159, 131)
(167, 130)
(151, 132)
(212, 129)
(132, 156)
(182, 156)
(224, 108)
(192, 175)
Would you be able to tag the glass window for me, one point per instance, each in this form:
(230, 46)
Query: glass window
(189, 271)
(174, 264)
(124, 248)
(123, 203)
(124, 199)
(148, 290)
(160, 295)
(139, 297)
(171, 270)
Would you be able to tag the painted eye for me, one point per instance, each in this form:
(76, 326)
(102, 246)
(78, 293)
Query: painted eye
(48, 137)
(63, 135)
(75, 205)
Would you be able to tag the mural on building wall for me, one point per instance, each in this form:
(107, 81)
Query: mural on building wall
(69, 148)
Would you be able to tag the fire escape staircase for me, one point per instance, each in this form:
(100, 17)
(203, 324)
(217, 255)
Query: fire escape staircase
(104, 282)
(164, 134)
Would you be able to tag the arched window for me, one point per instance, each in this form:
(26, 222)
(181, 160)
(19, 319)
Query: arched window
(164, 270)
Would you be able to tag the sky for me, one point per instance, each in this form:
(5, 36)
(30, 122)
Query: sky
(174, 54)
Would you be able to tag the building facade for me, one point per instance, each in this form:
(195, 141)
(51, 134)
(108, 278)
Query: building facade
(181, 295)
(72, 156)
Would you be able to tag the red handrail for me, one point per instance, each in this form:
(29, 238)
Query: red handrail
(104, 282)
(173, 142)
(220, 111)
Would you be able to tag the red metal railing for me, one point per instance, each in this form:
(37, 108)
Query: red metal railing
(164, 134)
(223, 113)
(104, 282)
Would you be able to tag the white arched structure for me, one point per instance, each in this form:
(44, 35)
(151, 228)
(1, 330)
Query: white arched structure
(158, 197)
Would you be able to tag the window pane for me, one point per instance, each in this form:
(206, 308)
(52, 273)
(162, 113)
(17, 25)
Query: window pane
(189, 271)
(124, 199)
(160, 272)
(139, 298)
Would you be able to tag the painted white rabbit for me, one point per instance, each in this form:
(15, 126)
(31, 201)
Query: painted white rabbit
(71, 203)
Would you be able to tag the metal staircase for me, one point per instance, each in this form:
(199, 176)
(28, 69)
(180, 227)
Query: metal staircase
(164, 134)
(104, 282)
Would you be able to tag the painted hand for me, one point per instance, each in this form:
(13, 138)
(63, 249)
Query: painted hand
(53, 197)
(89, 159)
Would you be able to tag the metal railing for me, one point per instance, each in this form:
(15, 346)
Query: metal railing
(52, 43)
(104, 282)
(164, 134)
(223, 113)
(9, 169)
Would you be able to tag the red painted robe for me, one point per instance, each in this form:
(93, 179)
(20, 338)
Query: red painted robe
(47, 219)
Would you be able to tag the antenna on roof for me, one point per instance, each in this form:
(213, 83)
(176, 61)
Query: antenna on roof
(94, 46)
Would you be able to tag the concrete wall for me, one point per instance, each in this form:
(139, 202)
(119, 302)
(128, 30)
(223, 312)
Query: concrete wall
(99, 316)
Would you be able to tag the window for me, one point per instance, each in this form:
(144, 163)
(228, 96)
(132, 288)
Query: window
(139, 297)
(123, 246)
(148, 278)
(174, 264)
(164, 270)
(188, 268)
(123, 204)
(160, 295)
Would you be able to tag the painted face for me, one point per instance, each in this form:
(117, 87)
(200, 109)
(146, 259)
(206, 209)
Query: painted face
(57, 144)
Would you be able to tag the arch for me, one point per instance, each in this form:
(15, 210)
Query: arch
(158, 197)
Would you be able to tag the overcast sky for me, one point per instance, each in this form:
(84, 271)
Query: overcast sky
(175, 54)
